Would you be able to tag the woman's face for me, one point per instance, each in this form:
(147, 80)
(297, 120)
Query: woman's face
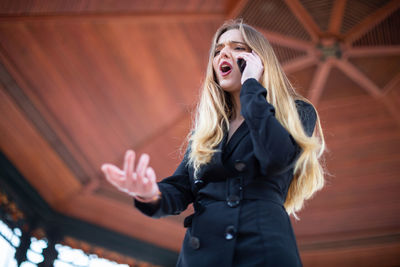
(229, 45)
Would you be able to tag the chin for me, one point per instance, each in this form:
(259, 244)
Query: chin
(230, 86)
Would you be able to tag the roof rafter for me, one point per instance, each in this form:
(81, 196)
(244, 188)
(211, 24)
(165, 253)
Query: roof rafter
(383, 50)
(299, 63)
(318, 83)
(357, 76)
(304, 18)
(371, 21)
(337, 16)
(287, 41)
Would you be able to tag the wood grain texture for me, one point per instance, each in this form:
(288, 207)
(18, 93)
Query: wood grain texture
(60, 7)
(104, 79)
(30, 153)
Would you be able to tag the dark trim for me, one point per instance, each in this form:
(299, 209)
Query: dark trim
(350, 243)
(33, 114)
(38, 211)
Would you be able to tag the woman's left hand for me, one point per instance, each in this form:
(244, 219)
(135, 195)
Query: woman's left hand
(254, 66)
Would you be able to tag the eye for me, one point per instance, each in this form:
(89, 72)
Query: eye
(216, 52)
(240, 48)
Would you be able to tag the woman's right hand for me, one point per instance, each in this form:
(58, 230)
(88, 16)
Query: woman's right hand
(139, 183)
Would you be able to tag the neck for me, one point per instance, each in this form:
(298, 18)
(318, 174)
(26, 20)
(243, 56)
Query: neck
(237, 107)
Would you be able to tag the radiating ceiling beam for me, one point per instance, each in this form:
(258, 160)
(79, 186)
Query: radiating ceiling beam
(392, 84)
(136, 17)
(287, 41)
(367, 51)
(320, 77)
(299, 64)
(234, 7)
(371, 21)
(392, 107)
(360, 78)
(337, 16)
(304, 18)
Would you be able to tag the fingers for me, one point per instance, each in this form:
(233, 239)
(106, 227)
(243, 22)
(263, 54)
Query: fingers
(142, 166)
(141, 181)
(254, 66)
(113, 174)
(152, 180)
(129, 163)
(151, 174)
(251, 57)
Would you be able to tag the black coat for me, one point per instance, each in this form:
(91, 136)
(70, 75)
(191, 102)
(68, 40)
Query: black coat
(239, 217)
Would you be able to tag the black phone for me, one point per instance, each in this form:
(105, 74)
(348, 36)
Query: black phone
(242, 64)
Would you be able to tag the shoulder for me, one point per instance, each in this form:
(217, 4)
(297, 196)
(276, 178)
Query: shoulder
(308, 116)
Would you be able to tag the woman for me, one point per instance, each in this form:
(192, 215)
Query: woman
(252, 160)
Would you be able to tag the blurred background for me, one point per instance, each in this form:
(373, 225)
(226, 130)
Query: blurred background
(83, 81)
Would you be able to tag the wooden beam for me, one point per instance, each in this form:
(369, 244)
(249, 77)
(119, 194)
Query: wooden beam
(299, 64)
(234, 7)
(392, 84)
(318, 83)
(367, 51)
(32, 154)
(392, 107)
(337, 16)
(304, 18)
(360, 78)
(127, 220)
(371, 21)
(284, 40)
(136, 17)
(32, 114)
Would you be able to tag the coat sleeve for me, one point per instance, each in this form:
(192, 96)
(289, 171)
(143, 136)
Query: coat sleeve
(176, 194)
(274, 147)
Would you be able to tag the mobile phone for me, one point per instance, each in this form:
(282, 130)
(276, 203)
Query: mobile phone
(242, 64)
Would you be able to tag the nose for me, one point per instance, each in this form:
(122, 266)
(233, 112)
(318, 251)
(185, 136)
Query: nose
(224, 52)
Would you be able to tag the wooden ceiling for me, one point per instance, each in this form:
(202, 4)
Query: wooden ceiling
(83, 81)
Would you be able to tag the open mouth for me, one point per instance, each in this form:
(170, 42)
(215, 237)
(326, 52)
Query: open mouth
(225, 68)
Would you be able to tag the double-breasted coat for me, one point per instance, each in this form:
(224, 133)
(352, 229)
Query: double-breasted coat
(238, 197)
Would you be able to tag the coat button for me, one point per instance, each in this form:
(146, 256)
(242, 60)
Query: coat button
(240, 166)
(199, 183)
(230, 232)
(233, 201)
(194, 242)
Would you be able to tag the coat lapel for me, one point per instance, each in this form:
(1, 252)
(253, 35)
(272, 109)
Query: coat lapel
(237, 136)
(215, 169)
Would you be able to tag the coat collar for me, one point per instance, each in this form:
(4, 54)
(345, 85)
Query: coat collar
(216, 167)
(229, 147)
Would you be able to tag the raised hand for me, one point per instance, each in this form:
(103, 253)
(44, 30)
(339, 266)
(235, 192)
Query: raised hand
(254, 66)
(139, 183)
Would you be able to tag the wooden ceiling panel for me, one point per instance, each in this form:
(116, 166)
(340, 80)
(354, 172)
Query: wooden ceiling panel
(380, 69)
(30, 153)
(280, 18)
(125, 219)
(363, 163)
(102, 81)
(357, 11)
(301, 79)
(374, 253)
(338, 85)
(320, 11)
(285, 54)
(385, 33)
(165, 148)
(85, 81)
(21, 7)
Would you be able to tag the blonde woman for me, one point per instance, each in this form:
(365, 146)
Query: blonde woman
(252, 160)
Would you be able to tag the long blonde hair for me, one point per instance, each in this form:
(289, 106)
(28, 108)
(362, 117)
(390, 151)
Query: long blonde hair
(215, 109)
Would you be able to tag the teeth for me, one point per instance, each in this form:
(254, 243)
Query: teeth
(225, 67)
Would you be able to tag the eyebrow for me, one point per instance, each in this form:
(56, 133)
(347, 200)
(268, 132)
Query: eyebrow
(230, 42)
